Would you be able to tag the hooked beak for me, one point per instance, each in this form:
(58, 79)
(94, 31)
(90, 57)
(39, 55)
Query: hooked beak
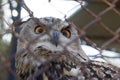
(55, 38)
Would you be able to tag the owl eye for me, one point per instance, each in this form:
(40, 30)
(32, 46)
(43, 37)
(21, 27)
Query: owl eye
(40, 29)
(66, 33)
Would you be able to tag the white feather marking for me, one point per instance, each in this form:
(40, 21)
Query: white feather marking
(75, 72)
(48, 46)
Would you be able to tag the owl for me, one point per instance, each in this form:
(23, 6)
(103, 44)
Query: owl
(49, 49)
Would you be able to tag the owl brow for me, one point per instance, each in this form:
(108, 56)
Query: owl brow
(41, 24)
(68, 27)
(35, 20)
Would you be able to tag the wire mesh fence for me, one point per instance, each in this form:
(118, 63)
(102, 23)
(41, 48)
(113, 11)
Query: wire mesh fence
(112, 5)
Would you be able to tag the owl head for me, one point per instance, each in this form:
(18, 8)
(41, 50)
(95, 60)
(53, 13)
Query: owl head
(52, 34)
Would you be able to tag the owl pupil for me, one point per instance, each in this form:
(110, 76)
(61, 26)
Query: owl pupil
(64, 33)
(40, 30)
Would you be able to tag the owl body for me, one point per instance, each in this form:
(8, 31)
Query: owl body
(49, 49)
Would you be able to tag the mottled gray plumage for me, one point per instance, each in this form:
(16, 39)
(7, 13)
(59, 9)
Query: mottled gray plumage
(46, 51)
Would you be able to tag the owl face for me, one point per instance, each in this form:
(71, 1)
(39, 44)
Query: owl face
(51, 33)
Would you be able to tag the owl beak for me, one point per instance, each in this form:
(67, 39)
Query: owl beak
(55, 39)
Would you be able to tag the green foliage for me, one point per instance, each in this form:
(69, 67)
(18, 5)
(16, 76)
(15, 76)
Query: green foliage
(4, 51)
(4, 47)
(0, 1)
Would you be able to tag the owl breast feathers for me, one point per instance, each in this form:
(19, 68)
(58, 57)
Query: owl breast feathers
(49, 49)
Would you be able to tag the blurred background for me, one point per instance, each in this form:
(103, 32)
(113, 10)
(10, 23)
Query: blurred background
(98, 23)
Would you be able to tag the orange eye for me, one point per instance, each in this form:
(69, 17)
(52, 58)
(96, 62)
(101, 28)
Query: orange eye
(66, 33)
(39, 29)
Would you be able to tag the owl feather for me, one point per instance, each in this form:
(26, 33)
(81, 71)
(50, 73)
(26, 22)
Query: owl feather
(50, 50)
